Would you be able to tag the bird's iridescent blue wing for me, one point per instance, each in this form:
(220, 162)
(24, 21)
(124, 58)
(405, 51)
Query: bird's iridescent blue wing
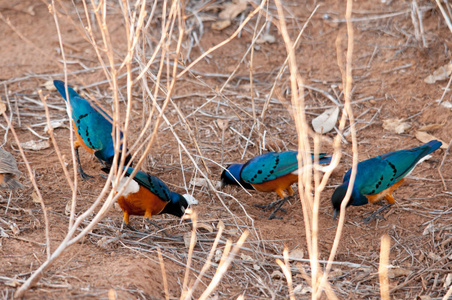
(269, 166)
(92, 123)
(152, 183)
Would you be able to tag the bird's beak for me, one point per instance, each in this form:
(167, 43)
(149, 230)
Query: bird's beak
(336, 213)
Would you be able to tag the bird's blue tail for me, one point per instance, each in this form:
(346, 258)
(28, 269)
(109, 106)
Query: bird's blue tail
(62, 90)
(434, 145)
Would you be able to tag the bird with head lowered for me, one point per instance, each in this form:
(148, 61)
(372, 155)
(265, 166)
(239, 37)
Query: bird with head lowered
(93, 128)
(378, 177)
(146, 195)
(269, 172)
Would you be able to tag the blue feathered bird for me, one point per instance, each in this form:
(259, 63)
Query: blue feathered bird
(269, 172)
(146, 195)
(93, 128)
(378, 177)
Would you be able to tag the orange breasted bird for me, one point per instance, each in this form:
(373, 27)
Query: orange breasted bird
(269, 172)
(147, 195)
(378, 177)
(8, 171)
(93, 128)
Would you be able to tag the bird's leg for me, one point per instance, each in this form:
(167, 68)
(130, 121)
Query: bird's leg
(374, 215)
(272, 205)
(102, 162)
(128, 226)
(272, 215)
(80, 170)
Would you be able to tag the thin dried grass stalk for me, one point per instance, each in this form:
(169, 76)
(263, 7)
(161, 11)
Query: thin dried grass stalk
(383, 268)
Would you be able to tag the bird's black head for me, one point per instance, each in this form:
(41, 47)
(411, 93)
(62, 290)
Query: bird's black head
(232, 176)
(176, 206)
(337, 198)
(109, 161)
(356, 198)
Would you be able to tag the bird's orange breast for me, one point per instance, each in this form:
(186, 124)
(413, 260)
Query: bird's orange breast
(385, 194)
(142, 203)
(80, 141)
(278, 185)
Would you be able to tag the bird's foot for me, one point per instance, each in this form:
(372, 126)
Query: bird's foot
(84, 175)
(128, 226)
(272, 215)
(375, 215)
(272, 205)
(80, 170)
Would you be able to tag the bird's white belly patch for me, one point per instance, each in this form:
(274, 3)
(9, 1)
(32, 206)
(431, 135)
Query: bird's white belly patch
(132, 188)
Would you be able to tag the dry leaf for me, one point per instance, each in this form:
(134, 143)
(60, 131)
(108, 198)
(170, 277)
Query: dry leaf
(229, 12)
(102, 242)
(55, 124)
(426, 137)
(326, 121)
(448, 280)
(199, 182)
(35, 197)
(430, 127)
(442, 73)
(187, 239)
(35, 146)
(233, 9)
(429, 229)
(67, 209)
(14, 283)
(50, 86)
(300, 290)
(446, 104)
(256, 267)
(107, 243)
(335, 273)
(234, 232)
(218, 255)
(277, 274)
(266, 38)
(397, 272)
(223, 124)
(246, 257)
(433, 256)
(3, 233)
(296, 254)
(221, 24)
(396, 125)
(205, 226)
(220, 224)
(15, 229)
